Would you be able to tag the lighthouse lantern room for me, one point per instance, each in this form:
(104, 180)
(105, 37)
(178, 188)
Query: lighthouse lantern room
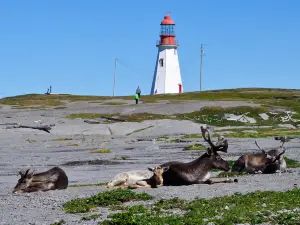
(167, 76)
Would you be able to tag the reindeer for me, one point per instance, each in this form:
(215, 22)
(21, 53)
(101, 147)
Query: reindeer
(135, 179)
(198, 171)
(154, 181)
(271, 161)
(54, 178)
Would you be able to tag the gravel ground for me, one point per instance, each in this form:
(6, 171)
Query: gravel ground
(27, 148)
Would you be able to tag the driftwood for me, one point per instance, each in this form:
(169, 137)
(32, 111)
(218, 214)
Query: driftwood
(45, 128)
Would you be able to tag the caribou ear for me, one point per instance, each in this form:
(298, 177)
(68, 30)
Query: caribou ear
(166, 168)
(150, 169)
(25, 174)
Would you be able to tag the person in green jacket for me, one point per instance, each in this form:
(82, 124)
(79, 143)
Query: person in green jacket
(136, 98)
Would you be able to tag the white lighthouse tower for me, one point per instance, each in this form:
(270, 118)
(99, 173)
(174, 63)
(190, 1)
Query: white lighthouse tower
(167, 76)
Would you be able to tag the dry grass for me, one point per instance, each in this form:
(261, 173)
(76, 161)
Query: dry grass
(103, 150)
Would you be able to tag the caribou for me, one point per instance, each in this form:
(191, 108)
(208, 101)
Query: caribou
(266, 162)
(198, 170)
(136, 179)
(54, 178)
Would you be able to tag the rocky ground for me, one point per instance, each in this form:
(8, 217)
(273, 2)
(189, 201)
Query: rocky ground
(26, 148)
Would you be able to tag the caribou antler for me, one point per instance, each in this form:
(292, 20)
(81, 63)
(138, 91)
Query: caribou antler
(259, 147)
(221, 145)
(278, 156)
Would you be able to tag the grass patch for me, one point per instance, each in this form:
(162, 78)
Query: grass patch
(73, 144)
(88, 115)
(195, 147)
(63, 139)
(107, 198)
(91, 217)
(114, 103)
(102, 150)
(61, 222)
(291, 163)
(87, 185)
(254, 208)
(138, 117)
(262, 133)
(187, 136)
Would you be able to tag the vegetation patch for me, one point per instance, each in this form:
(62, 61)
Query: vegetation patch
(107, 198)
(88, 115)
(254, 208)
(73, 144)
(195, 147)
(91, 217)
(291, 163)
(102, 150)
(262, 133)
(61, 222)
(187, 136)
(168, 139)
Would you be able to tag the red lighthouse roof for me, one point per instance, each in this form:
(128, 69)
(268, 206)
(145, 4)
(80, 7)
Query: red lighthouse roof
(167, 20)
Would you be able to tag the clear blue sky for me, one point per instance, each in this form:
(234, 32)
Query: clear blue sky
(72, 44)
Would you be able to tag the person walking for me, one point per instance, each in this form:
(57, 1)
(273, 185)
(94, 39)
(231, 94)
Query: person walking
(138, 91)
(136, 99)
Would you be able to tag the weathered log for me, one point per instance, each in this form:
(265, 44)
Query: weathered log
(45, 128)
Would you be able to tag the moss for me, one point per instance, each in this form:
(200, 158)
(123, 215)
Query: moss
(91, 217)
(61, 222)
(195, 147)
(103, 150)
(107, 198)
(254, 208)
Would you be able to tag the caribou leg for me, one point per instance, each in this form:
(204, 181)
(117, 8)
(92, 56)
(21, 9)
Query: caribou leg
(220, 181)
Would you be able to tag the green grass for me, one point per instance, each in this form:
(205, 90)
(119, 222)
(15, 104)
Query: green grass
(88, 115)
(107, 198)
(87, 185)
(291, 163)
(254, 208)
(61, 222)
(103, 150)
(195, 147)
(262, 133)
(91, 217)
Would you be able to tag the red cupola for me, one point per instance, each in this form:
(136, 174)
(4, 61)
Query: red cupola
(167, 33)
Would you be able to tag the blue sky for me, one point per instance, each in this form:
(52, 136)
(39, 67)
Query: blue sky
(72, 44)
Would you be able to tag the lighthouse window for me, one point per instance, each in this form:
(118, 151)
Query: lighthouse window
(161, 62)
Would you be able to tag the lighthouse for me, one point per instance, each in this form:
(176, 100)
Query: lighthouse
(167, 76)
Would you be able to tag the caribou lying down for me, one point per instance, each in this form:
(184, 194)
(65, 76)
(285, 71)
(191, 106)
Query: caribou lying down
(271, 161)
(135, 179)
(198, 171)
(52, 179)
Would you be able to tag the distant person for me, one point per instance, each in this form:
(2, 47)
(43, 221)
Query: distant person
(137, 98)
(138, 91)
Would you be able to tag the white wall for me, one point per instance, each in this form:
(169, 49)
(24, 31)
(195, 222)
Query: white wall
(168, 76)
